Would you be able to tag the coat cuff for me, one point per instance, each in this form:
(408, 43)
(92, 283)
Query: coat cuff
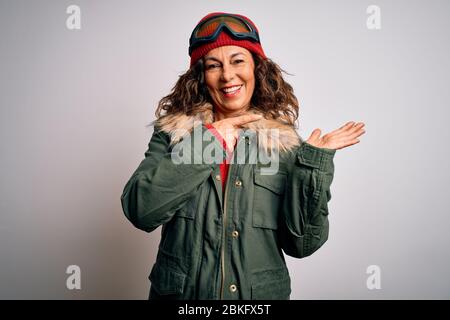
(319, 158)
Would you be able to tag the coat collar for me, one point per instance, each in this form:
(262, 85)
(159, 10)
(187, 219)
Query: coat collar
(286, 139)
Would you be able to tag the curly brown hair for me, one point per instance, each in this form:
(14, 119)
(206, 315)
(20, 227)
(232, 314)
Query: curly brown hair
(273, 96)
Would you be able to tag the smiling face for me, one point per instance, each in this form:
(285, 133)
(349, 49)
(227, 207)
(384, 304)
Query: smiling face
(230, 78)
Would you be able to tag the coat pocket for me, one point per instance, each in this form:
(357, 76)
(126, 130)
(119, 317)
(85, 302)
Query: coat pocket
(167, 276)
(268, 194)
(272, 284)
(166, 281)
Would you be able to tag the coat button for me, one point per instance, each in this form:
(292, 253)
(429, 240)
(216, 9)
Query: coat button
(218, 177)
(233, 288)
(235, 234)
(238, 183)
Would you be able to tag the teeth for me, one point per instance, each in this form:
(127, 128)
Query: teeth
(231, 89)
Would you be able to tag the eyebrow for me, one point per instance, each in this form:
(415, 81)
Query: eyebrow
(232, 56)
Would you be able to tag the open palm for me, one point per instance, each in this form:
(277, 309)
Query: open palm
(340, 138)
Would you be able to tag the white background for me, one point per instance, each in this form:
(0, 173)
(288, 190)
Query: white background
(74, 105)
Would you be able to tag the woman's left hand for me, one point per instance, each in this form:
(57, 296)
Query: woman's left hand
(340, 138)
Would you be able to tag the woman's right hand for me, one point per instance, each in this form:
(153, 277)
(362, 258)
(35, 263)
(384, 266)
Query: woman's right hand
(229, 128)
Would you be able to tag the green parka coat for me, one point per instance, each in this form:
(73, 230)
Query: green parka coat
(229, 244)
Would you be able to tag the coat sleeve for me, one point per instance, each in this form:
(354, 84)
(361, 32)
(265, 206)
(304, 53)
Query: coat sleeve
(159, 186)
(304, 227)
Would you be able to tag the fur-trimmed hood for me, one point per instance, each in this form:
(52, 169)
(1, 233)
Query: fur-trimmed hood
(286, 138)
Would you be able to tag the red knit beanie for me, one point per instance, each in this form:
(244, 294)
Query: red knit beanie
(224, 39)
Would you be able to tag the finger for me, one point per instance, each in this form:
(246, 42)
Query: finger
(348, 144)
(344, 127)
(355, 134)
(237, 121)
(315, 135)
(344, 139)
(350, 130)
(231, 133)
(356, 127)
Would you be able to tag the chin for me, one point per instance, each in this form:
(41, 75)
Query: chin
(234, 107)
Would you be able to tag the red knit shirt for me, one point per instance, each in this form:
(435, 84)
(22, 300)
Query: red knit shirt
(224, 166)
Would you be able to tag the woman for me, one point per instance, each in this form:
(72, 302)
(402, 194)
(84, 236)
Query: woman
(225, 224)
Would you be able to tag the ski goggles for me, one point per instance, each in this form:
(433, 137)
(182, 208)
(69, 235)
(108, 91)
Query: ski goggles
(209, 30)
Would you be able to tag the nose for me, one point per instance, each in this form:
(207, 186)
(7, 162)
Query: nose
(227, 73)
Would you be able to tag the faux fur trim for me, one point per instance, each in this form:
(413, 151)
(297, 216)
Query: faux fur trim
(286, 139)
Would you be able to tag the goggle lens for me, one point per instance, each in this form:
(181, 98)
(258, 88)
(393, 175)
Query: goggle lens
(208, 28)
